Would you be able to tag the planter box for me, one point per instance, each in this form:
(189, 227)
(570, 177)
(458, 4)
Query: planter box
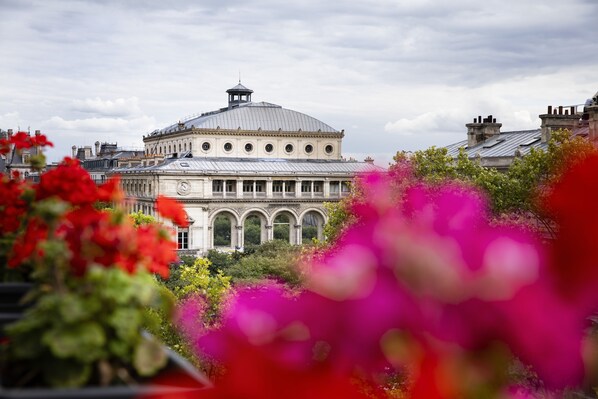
(178, 380)
(11, 308)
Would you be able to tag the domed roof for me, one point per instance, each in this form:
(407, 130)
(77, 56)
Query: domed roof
(255, 116)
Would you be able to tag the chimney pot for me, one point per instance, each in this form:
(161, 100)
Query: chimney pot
(549, 109)
(493, 120)
(38, 132)
(479, 118)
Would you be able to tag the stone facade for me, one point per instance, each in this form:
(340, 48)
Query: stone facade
(246, 162)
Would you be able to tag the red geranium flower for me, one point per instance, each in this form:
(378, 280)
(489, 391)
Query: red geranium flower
(172, 210)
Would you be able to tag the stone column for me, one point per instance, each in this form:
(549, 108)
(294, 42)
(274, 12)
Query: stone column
(298, 231)
(327, 188)
(239, 243)
(269, 188)
(239, 188)
(269, 232)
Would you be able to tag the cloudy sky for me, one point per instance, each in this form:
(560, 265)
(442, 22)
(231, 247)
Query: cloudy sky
(395, 75)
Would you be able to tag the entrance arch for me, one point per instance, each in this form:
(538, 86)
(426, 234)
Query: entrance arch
(312, 226)
(224, 230)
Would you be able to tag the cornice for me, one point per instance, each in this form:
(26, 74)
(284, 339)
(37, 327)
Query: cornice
(243, 133)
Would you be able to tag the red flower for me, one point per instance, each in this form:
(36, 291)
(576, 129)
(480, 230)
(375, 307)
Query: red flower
(21, 140)
(173, 210)
(41, 141)
(69, 182)
(572, 202)
(111, 191)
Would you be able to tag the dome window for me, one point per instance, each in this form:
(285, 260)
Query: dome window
(269, 148)
(228, 147)
(248, 147)
(289, 148)
(205, 146)
(329, 148)
(309, 148)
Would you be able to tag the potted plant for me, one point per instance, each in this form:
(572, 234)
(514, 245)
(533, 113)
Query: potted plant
(92, 275)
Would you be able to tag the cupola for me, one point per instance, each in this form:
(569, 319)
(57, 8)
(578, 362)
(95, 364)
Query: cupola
(238, 95)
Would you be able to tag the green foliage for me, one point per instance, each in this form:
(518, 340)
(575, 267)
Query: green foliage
(222, 231)
(252, 229)
(96, 321)
(192, 277)
(139, 218)
(274, 260)
(338, 218)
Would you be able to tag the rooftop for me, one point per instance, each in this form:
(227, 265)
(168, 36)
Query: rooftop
(503, 145)
(244, 166)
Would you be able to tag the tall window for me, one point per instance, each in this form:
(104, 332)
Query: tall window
(277, 186)
(183, 238)
(217, 186)
(247, 186)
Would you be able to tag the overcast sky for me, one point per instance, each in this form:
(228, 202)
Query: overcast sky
(395, 75)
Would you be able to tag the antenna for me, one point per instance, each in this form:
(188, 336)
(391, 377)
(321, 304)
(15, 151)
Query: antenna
(239, 76)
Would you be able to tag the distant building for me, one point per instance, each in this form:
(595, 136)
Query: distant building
(493, 148)
(107, 156)
(252, 167)
(18, 161)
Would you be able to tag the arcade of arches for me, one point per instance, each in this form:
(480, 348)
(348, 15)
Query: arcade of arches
(228, 230)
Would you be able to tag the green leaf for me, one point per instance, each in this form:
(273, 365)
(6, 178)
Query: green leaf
(126, 322)
(150, 356)
(83, 341)
(66, 374)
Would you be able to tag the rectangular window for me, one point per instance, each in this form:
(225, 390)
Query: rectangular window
(217, 186)
(247, 186)
(306, 186)
(277, 186)
(290, 187)
(231, 186)
(183, 238)
(334, 188)
(260, 186)
(345, 187)
(318, 186)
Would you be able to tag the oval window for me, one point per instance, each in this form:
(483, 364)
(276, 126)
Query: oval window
(329, 149)
(228, 146)
(269, 148)
(309, 148)
(248, 147)
(288, 148)
(205, 146)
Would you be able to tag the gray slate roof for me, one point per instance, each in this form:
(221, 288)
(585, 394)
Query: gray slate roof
(244, 166)
(503, 145)
(254, 116)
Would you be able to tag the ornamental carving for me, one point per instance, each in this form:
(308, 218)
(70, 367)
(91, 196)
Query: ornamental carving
(183, 187)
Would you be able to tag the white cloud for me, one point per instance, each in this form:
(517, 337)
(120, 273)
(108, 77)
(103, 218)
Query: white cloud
(119, 107)
(428, 122)
(10, 120)
(101, 125)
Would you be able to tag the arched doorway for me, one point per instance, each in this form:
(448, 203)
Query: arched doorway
(312, 225)
(222, 230)
(252, 230)
(282, 227)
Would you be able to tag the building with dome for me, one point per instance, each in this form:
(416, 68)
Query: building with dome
(246, 173)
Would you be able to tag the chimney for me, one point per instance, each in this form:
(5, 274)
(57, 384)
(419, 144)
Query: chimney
(482, 129)
(38, 132)
(97, 144)
(9, 132)
(558, 118)
(592, 111)
(74, 151)
(369, 160)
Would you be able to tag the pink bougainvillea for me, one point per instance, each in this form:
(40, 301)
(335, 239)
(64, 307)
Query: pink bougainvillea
(422, 279)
